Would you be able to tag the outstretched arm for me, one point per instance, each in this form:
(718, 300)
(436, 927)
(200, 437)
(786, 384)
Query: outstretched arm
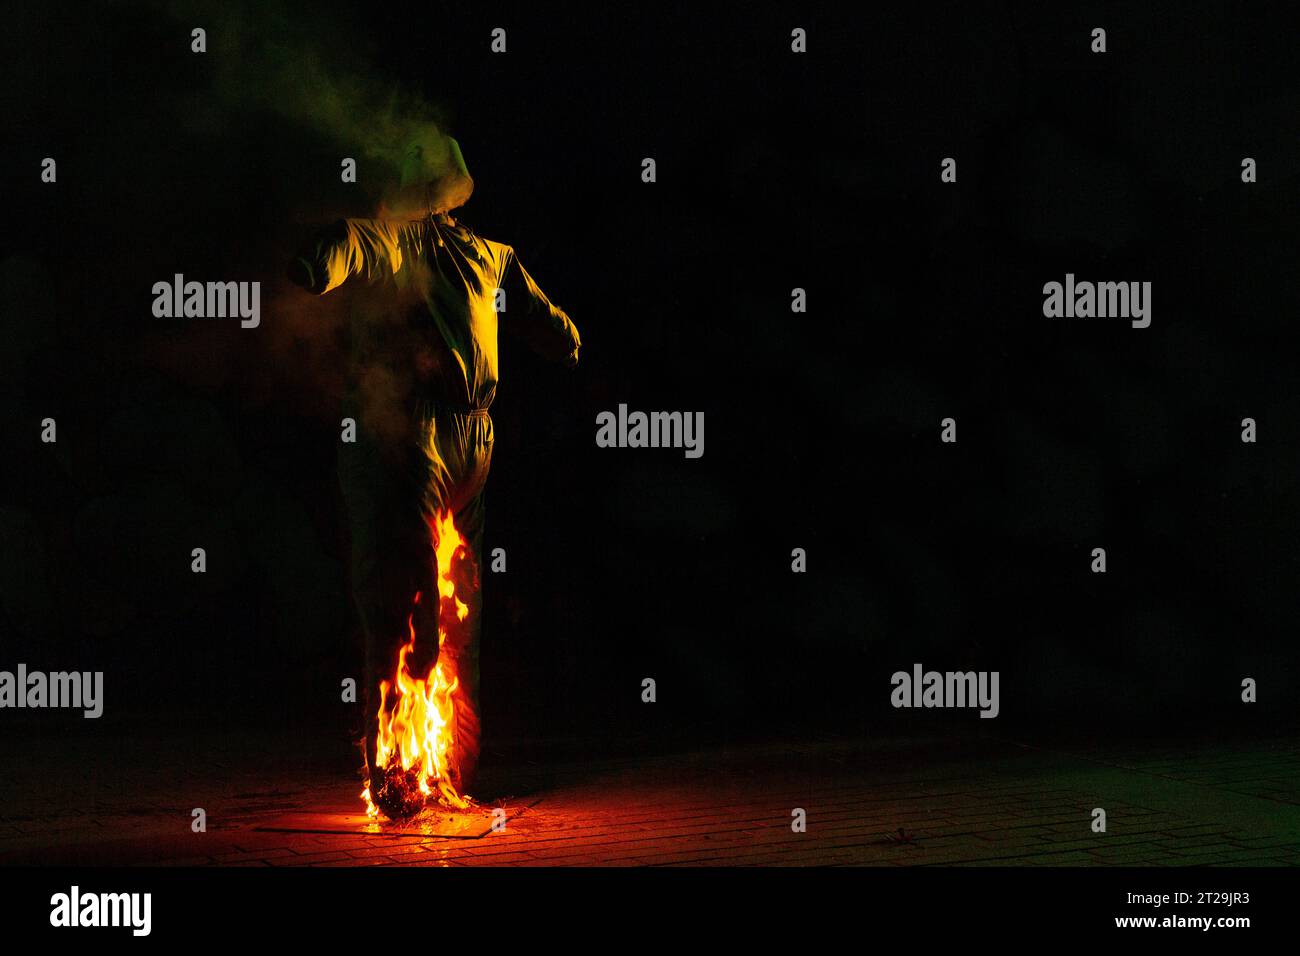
(369, 248)
(531, 315)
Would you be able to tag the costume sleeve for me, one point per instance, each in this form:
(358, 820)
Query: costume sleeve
(529, 314)
(369, 248)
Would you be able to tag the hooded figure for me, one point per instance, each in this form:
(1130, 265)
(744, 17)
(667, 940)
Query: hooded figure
(423, 373)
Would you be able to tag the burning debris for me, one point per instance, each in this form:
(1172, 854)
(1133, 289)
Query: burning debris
(400, 796)
(417, 746)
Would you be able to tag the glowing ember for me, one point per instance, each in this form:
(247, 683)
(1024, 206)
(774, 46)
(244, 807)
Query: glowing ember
(417, 716)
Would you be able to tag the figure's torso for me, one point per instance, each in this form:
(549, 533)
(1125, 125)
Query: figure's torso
(431, 328)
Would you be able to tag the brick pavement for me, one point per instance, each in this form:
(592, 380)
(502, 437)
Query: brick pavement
(957, 802)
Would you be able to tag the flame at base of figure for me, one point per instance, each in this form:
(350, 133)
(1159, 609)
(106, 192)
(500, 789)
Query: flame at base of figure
(417, 746)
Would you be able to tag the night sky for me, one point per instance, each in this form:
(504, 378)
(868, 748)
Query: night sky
(775, 171)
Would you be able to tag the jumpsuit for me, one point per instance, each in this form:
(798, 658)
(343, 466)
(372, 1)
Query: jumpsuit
(423, 374)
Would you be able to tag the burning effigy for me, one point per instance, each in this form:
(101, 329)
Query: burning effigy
(417, 748)
(430, 296)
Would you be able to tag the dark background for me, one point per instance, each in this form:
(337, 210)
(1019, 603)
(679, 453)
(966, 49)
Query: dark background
(775, 170)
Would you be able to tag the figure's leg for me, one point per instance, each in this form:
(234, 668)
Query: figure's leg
(467, 440)
(468, 727)
(388, 550)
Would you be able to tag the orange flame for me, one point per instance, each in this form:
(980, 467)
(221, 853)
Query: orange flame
(417, 716)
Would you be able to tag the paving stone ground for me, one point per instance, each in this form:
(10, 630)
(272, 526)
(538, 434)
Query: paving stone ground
(934, 802)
